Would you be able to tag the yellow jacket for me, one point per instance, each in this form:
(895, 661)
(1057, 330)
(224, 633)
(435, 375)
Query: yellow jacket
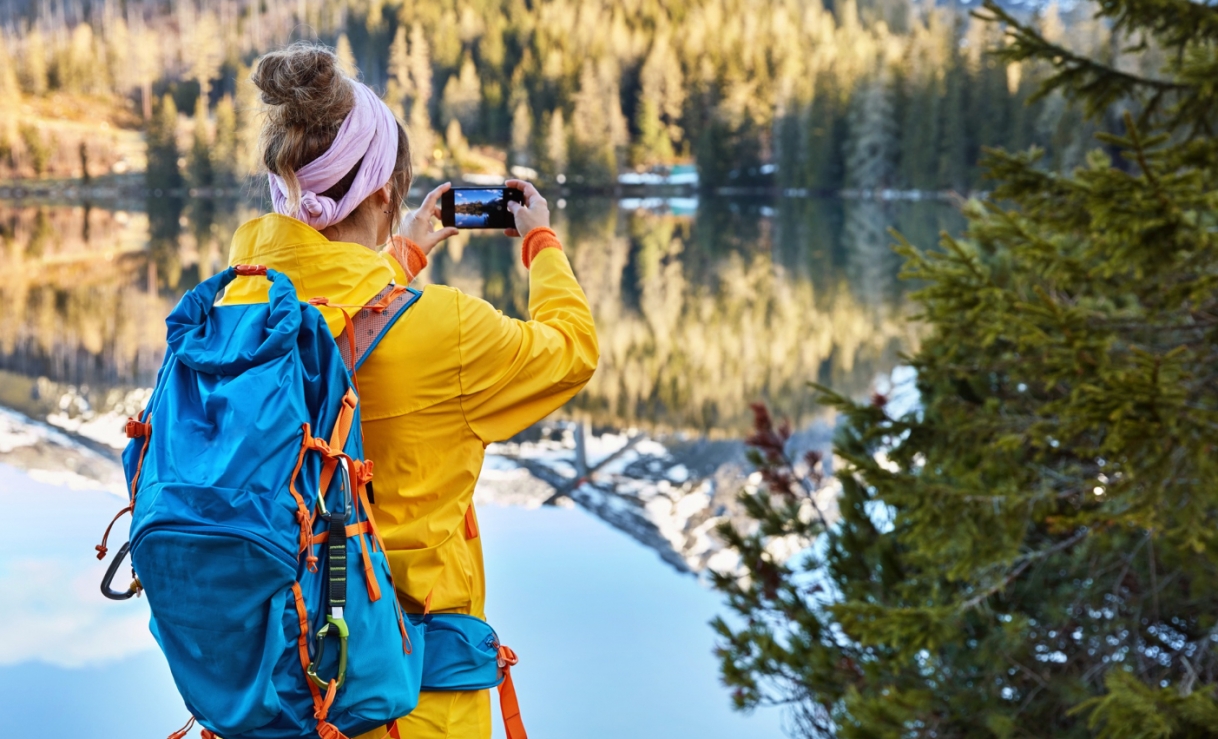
(453, 375)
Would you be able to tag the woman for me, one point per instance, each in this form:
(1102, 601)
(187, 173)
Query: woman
(453, 374)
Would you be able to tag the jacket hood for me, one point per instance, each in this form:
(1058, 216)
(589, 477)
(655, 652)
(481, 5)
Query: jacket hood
(344, 273)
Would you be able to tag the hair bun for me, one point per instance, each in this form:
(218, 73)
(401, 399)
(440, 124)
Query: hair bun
(304, 84)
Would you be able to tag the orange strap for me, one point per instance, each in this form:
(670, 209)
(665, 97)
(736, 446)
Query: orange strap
(427, 603)
(353, 530)
(135, 429)
(374, 588)
(139, 466)
(357, 530)
(321, 704)
(391, 731)
(380, 305)
(184, 730)
(338, 439)
(471, 523)
(304, 516)
(513, 726)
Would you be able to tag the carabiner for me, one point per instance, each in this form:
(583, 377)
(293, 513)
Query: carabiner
(340, 629)
(133, 589)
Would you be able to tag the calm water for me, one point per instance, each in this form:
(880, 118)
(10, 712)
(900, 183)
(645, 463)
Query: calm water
(702, 307)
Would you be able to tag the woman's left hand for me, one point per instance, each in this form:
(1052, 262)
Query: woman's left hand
(417, 226)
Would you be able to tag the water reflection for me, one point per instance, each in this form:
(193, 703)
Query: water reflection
(702, 307)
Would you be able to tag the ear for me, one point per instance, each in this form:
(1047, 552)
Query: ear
(386, 192)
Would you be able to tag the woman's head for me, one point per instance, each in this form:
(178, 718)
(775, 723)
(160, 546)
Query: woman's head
(309, 100)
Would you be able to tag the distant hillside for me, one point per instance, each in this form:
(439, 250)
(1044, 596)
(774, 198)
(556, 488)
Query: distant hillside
(792, 94)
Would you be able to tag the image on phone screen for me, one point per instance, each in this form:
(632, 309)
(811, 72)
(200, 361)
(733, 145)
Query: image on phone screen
(478, 208)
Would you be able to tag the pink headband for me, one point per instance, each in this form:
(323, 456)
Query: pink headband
(370, 131)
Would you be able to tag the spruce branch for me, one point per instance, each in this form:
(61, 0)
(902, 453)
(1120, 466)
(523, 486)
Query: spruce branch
(1023, 563)
(1099, 85)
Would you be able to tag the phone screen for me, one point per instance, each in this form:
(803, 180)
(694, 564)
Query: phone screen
(479, 207)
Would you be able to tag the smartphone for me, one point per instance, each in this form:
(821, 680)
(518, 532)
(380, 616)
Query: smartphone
(479, 207)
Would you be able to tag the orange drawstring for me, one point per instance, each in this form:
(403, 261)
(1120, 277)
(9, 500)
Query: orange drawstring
(135, 430)
(101, 548)
(184, 730)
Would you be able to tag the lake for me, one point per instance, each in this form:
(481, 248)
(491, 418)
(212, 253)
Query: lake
(703, 306)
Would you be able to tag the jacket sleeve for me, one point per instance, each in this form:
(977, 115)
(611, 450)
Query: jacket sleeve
(514, 373)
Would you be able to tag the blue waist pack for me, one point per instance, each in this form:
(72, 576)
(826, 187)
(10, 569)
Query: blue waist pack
(464, 653)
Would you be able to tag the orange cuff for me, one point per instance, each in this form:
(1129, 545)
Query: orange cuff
(408, 254)
(536, 240)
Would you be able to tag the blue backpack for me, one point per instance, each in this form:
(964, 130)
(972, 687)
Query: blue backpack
(270, 592)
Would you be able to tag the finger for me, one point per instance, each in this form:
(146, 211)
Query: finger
(527, 188)
(433, 197)
(514, 207)
(510, 232)
(435, 237)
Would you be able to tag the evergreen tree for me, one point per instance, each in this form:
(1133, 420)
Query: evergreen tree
(199, 168)
(398, 74)
(825, 131)
(345, 54)
(1028, 548)
(224, 152)
(462, 99)
(421, 134)
(34, 64)
(554, 163)
(953, 149)
(660, 103)
(161, 140)
(871, 148)
(598, 127)
(522, 127)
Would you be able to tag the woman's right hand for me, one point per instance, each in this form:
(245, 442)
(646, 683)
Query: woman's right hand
(417, 224)
(535, 213)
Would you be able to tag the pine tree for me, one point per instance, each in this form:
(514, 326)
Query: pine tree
(422, 137)
(34, 64)
(462, 99)
(555, 162)
(871, 149)
(598, 127)
(660, 103)
(346, 56)
(161, 139)
(224, 152)
(1027, 534)
(200, 172)
(522, 127)
(398, 74)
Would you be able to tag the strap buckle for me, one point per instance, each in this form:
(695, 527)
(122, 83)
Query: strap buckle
(340, 630)
(136, 429)
(507, 658)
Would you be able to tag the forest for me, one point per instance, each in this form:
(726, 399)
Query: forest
(785, 95)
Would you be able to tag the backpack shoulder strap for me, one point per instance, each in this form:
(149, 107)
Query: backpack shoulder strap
(374, 320)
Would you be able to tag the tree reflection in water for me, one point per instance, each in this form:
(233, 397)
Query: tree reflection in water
(699, 314)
